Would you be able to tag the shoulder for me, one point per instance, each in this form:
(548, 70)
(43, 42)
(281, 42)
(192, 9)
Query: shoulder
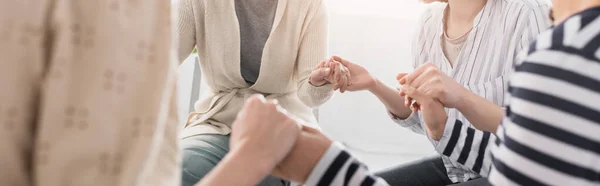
(524, 7)
(432, 13)
(431, 17)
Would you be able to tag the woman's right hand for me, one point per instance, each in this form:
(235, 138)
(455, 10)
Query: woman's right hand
(360, 78)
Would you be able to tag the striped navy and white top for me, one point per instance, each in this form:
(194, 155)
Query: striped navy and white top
(500, 32)
(551, 132)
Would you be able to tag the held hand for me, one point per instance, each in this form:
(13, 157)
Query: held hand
(432, 110)
(330, 72)
(263, 133)
(299, 163)
(434, 83)
(360, 79)
(320, 74)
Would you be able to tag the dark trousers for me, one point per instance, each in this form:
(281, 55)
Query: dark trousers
(426, 172)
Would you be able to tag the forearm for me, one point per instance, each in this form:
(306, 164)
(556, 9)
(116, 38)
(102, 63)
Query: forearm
(391, 99)
(482, 114)
(245, 171)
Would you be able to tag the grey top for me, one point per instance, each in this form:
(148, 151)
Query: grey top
(256, 21)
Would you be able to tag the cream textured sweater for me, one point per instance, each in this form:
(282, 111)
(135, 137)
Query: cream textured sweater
(87, 94)
(297, 43)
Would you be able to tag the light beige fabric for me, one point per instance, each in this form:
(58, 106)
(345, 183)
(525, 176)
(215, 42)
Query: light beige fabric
(87, 93)
(452, 47)
(298, 42)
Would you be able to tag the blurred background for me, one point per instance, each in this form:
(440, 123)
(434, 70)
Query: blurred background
(377, 35)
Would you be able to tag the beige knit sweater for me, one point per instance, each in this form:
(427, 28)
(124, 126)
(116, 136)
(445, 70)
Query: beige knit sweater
(297, 43)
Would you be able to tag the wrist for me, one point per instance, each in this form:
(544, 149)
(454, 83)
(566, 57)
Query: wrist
(375, 86)
(316, 84)
(245, 157)
(439, 131)
(467, 100)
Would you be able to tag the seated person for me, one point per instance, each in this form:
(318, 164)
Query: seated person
(475, 43)
(247, 47)
(549, 135)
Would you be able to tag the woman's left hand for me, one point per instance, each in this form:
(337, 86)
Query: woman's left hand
(434, 83)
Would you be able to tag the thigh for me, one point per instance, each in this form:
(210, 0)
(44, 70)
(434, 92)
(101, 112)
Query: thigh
(428, 171)
(202, 153)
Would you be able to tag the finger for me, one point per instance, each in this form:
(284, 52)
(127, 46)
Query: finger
(407, 79)
(407, 101)
(320, 65)
(424, 77)
(339, 59)
(344, 83)
(257, 98)
(421, 98)
(400, 76)
(273, 101)
(401, 93)
(338, 73)
(349, 76)
(336, 78)
(429, 88)
(322, 73)
(414, 94)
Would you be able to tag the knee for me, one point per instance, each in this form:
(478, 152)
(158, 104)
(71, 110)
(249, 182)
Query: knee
(196, 163)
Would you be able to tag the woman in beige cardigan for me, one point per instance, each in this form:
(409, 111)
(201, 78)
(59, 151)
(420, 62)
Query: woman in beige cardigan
(269, 47)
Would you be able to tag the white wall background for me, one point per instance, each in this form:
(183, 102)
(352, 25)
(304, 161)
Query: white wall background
(376, 34)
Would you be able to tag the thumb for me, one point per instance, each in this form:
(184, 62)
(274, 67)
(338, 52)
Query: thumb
(339, 59)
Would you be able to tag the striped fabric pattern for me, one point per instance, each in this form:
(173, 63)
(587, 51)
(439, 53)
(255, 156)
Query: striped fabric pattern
(338, 167)
(551, 133)
(500, 32)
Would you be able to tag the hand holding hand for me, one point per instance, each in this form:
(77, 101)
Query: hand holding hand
(299, 163)
(432, 110)
(434, 83)
(360, 79)
(321, 74)
(263, 133)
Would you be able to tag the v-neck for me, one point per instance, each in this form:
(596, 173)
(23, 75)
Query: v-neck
(480, 19)
(278, 16)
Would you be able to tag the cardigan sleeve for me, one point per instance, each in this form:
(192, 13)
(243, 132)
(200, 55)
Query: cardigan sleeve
(312, 50)
(185, 38)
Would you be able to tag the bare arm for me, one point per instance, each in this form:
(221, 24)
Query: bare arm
(390, 98)
(482, 113)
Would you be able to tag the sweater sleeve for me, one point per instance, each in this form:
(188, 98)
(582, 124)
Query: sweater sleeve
(338, 167)
(463, 143)
(184, 37)
(312, 50)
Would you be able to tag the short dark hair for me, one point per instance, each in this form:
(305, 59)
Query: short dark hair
(551, 15)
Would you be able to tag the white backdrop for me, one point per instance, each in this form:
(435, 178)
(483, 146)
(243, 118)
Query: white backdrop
(376, 34)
